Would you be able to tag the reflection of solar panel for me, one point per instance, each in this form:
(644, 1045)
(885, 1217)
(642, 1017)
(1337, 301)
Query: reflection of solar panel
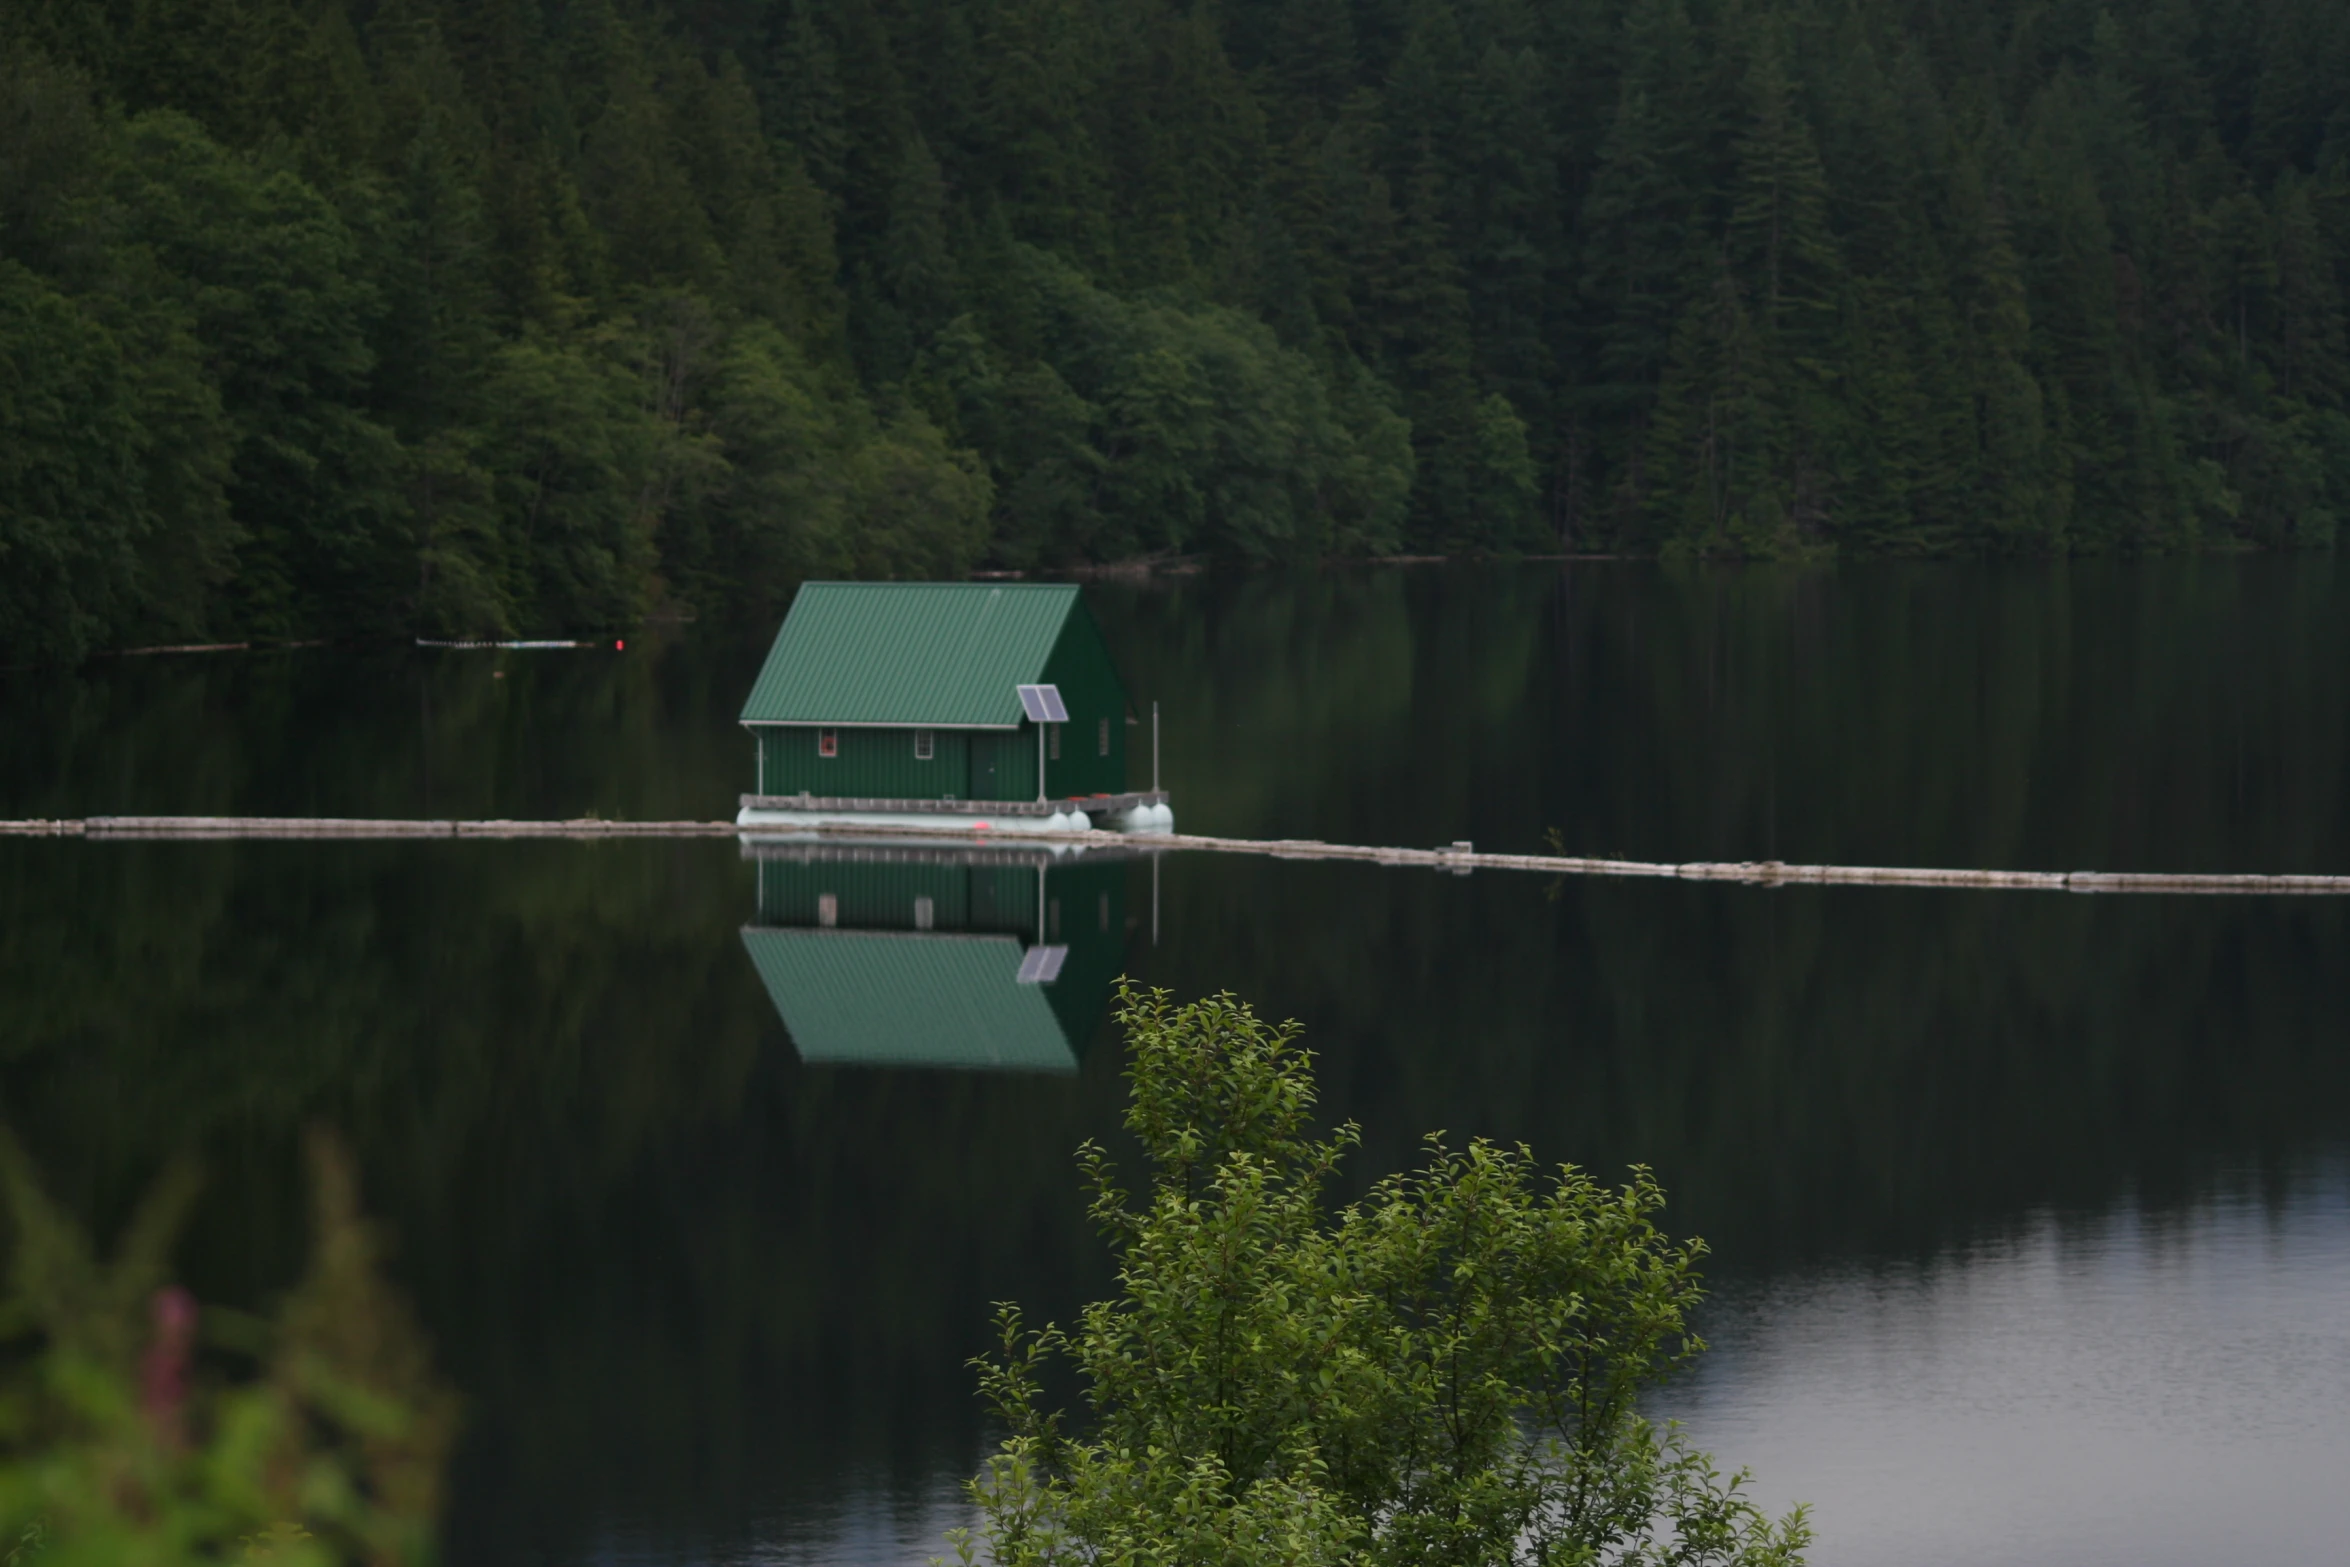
(1042, 704)
(1042, 965)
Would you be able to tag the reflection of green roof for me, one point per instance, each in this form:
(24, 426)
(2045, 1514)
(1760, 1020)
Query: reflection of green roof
(901, 998)
(929, 653)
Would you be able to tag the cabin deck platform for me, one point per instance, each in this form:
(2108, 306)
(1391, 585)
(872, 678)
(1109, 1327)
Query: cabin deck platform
(1090, 804)
(1144, 811)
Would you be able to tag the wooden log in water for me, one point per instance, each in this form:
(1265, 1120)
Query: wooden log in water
(1767, 873)
(595, 827)
(264, 827)
(1456, 858)
(1773, 873)
(2163, 881)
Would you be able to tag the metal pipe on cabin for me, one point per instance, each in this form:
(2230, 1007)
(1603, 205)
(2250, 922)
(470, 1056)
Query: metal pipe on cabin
(1040, 764)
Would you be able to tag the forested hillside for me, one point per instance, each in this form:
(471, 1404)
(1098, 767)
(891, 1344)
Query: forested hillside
(321, 316)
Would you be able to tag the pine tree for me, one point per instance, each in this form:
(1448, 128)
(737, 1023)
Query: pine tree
(1778, 242)
(2311, 344)
(921, 275)
(1641, 253)
(1044, 165)
(2017, 470)
(1512, 243)
(1313, 57)
(803, 98)
(1783, 260)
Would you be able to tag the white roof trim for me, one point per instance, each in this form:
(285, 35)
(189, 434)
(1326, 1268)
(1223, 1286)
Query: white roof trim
(836, 723)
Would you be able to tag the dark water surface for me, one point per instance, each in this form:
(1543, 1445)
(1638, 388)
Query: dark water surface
(2031, 1211)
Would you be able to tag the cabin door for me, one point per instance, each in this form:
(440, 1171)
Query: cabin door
(983, 766)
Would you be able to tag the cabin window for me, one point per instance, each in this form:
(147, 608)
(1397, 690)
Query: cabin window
(827, 910)
(925, 914)
(828, 742)
(1102, 745)
(925, 745)
(1056, 742)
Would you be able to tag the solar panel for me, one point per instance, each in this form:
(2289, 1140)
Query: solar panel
(1042, 704)
(1042, 965)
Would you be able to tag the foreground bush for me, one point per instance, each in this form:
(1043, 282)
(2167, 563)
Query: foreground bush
(139, 1431)
(1447, 1371)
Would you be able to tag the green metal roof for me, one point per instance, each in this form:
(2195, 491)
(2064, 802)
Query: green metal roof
(896, 998)
(943, 654)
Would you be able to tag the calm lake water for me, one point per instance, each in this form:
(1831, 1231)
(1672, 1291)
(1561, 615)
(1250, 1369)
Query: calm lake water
(2031, 1212)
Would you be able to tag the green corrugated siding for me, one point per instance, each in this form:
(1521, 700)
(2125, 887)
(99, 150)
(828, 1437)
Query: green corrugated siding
(1014, 775)
(872, 763)
(970, 764)
(884, 999)
(1080, 665)
(934, 653)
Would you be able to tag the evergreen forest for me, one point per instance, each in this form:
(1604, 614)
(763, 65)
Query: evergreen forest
(330, 317)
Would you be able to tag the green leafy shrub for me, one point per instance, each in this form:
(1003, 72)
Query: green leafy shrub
(1447, 1371)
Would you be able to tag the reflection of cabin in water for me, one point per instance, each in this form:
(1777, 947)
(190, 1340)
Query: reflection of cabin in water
(883, 955)
(947, 701)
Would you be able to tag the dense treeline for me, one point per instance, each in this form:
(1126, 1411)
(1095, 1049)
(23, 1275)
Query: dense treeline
(322, 315)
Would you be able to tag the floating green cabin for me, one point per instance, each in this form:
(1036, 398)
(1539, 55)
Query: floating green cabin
(881, 692)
